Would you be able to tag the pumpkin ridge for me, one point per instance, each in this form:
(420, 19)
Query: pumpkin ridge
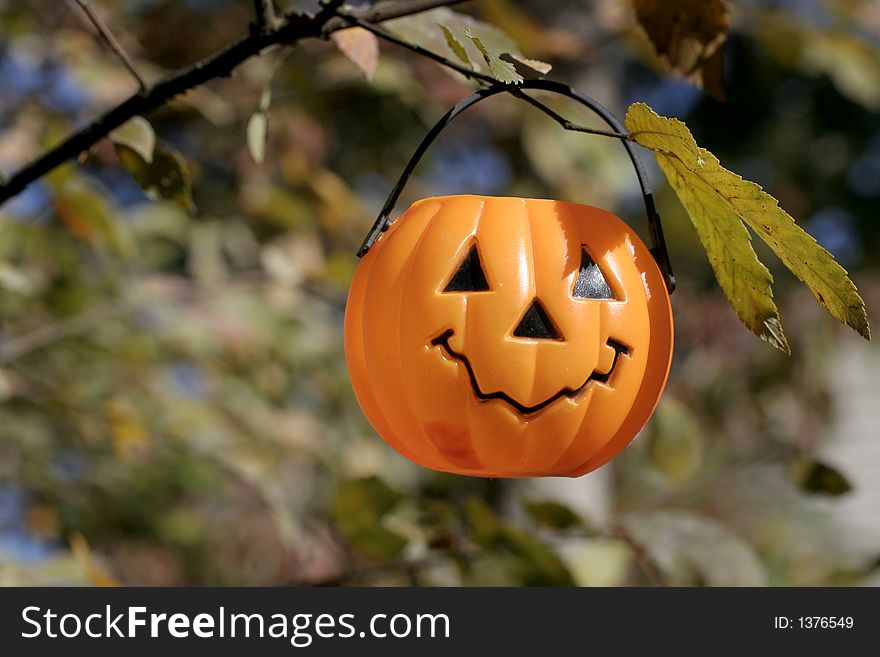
(431, 224)
(639, 253)
(405, 270)
(490, 277)
(530, 250)
(607, 224)
(355, 352)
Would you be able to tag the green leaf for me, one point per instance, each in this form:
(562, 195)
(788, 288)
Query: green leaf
(378, 542)
(138, 135)
(533, 561)
(435, 512)
(501, 70)
(819, 478)
(553, 514)
(369, 496)
(166, 176)
(720, 204)
(676, 445)
(455, 45)
(358, 508)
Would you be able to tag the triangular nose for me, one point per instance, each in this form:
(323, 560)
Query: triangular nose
(536, 324)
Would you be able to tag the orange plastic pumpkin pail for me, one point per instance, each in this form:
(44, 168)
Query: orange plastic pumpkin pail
(508, 337)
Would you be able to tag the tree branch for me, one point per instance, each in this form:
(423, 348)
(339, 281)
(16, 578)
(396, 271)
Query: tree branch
(105, 33)
(296, 27)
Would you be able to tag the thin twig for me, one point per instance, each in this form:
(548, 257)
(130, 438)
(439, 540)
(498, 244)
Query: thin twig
(105, 33)
(294, 28)
(264, 11)
(562, 121)
(385, 35)
(21, 345)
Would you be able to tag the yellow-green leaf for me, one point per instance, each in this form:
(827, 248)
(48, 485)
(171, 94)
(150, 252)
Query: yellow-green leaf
(138, 135)
(455, 45)
(167, 176)
(720, 204)
(501, 70)
(422, 29)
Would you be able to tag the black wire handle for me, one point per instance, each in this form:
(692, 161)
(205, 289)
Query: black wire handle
(658, 243)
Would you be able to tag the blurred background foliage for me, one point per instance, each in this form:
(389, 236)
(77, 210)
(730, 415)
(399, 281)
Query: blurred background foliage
(174, 404)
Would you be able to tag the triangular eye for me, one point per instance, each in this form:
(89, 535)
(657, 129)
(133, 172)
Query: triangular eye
(591, 283)
(469, 277)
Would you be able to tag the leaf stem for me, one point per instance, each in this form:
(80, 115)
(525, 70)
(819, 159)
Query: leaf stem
(104, 32)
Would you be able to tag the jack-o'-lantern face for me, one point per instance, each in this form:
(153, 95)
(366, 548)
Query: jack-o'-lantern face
(508, 337)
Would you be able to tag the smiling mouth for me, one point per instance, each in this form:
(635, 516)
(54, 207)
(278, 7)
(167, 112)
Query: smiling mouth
(442, 341)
